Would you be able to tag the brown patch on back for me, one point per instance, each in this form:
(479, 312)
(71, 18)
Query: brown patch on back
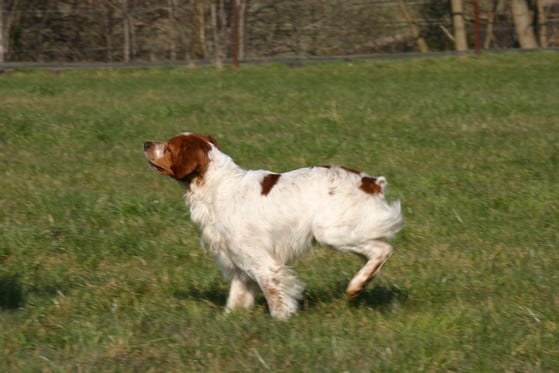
(268, 183)
(188, 155)
(369, 185)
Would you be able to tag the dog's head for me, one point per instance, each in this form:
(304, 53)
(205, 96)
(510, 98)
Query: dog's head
(184, 157)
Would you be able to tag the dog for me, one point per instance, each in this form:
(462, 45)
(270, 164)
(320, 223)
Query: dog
(257, 222)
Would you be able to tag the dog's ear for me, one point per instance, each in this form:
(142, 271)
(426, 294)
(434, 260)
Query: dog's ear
(211, 139)
(189, 156)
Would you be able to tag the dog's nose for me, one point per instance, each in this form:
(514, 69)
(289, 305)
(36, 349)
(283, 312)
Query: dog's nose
(147, 145)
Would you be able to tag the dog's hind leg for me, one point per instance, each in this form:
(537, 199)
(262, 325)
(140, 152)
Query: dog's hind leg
(376, 253)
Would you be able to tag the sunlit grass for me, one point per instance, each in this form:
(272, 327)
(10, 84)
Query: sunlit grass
(100, 267)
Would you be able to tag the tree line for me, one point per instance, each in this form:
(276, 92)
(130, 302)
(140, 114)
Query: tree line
(191, 30)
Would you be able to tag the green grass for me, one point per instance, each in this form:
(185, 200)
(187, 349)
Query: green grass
(100, 268)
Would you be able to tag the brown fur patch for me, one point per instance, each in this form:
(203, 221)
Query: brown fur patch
(188, 155)
(208, 138)
(268, 183)
(369, 185)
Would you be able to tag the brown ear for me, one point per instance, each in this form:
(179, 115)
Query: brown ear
(211, 139)
(189, 156)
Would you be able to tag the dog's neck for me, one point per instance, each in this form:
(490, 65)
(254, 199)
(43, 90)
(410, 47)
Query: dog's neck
(221, 169)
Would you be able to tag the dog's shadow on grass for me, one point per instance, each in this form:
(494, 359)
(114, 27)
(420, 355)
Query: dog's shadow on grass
(214, 294)
(380, 296)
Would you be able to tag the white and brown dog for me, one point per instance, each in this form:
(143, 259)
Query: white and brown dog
(256, 223)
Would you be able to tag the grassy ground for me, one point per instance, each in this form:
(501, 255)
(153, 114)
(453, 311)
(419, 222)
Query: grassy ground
(100, 268)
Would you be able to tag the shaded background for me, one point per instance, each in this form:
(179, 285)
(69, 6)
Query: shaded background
(211, 30)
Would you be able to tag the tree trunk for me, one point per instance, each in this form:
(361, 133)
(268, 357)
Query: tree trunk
(489, 36)
(223, 29)
(215, 34)
(477, 33)
(1, 31)
(497, 8)
(5, 25)
(457, 10)
(172, 32)
(523, 24)
(126, 24)
(235, 32)
(39, 39)
(198, 30)
(421, 44)
(132, 31)
(542, 24)
(242, 18)
(107, 29)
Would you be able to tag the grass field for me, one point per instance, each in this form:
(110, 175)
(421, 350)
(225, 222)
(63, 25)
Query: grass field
(100, 268)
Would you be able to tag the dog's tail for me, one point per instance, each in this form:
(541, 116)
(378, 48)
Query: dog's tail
(382, 183)
(390, 218)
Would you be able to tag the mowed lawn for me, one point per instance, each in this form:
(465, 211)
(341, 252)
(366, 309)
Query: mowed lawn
(101, 269)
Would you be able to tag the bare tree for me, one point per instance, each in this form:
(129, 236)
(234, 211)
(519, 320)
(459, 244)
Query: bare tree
(421, 44)
(542, 24)
(107, 21)
(457, 9)
(131, 29)
(173, 30)
(222, 29)
(218, 25)
(7, 11)
(497, 7)
(126, 30)
(235, 32)
(523, 24)
(2, 43)
(242, 23)
(197, 29)
(1, 31)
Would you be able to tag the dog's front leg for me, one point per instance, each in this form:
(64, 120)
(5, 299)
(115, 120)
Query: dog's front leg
(281, 289)
(241, 294)
(279, 285)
